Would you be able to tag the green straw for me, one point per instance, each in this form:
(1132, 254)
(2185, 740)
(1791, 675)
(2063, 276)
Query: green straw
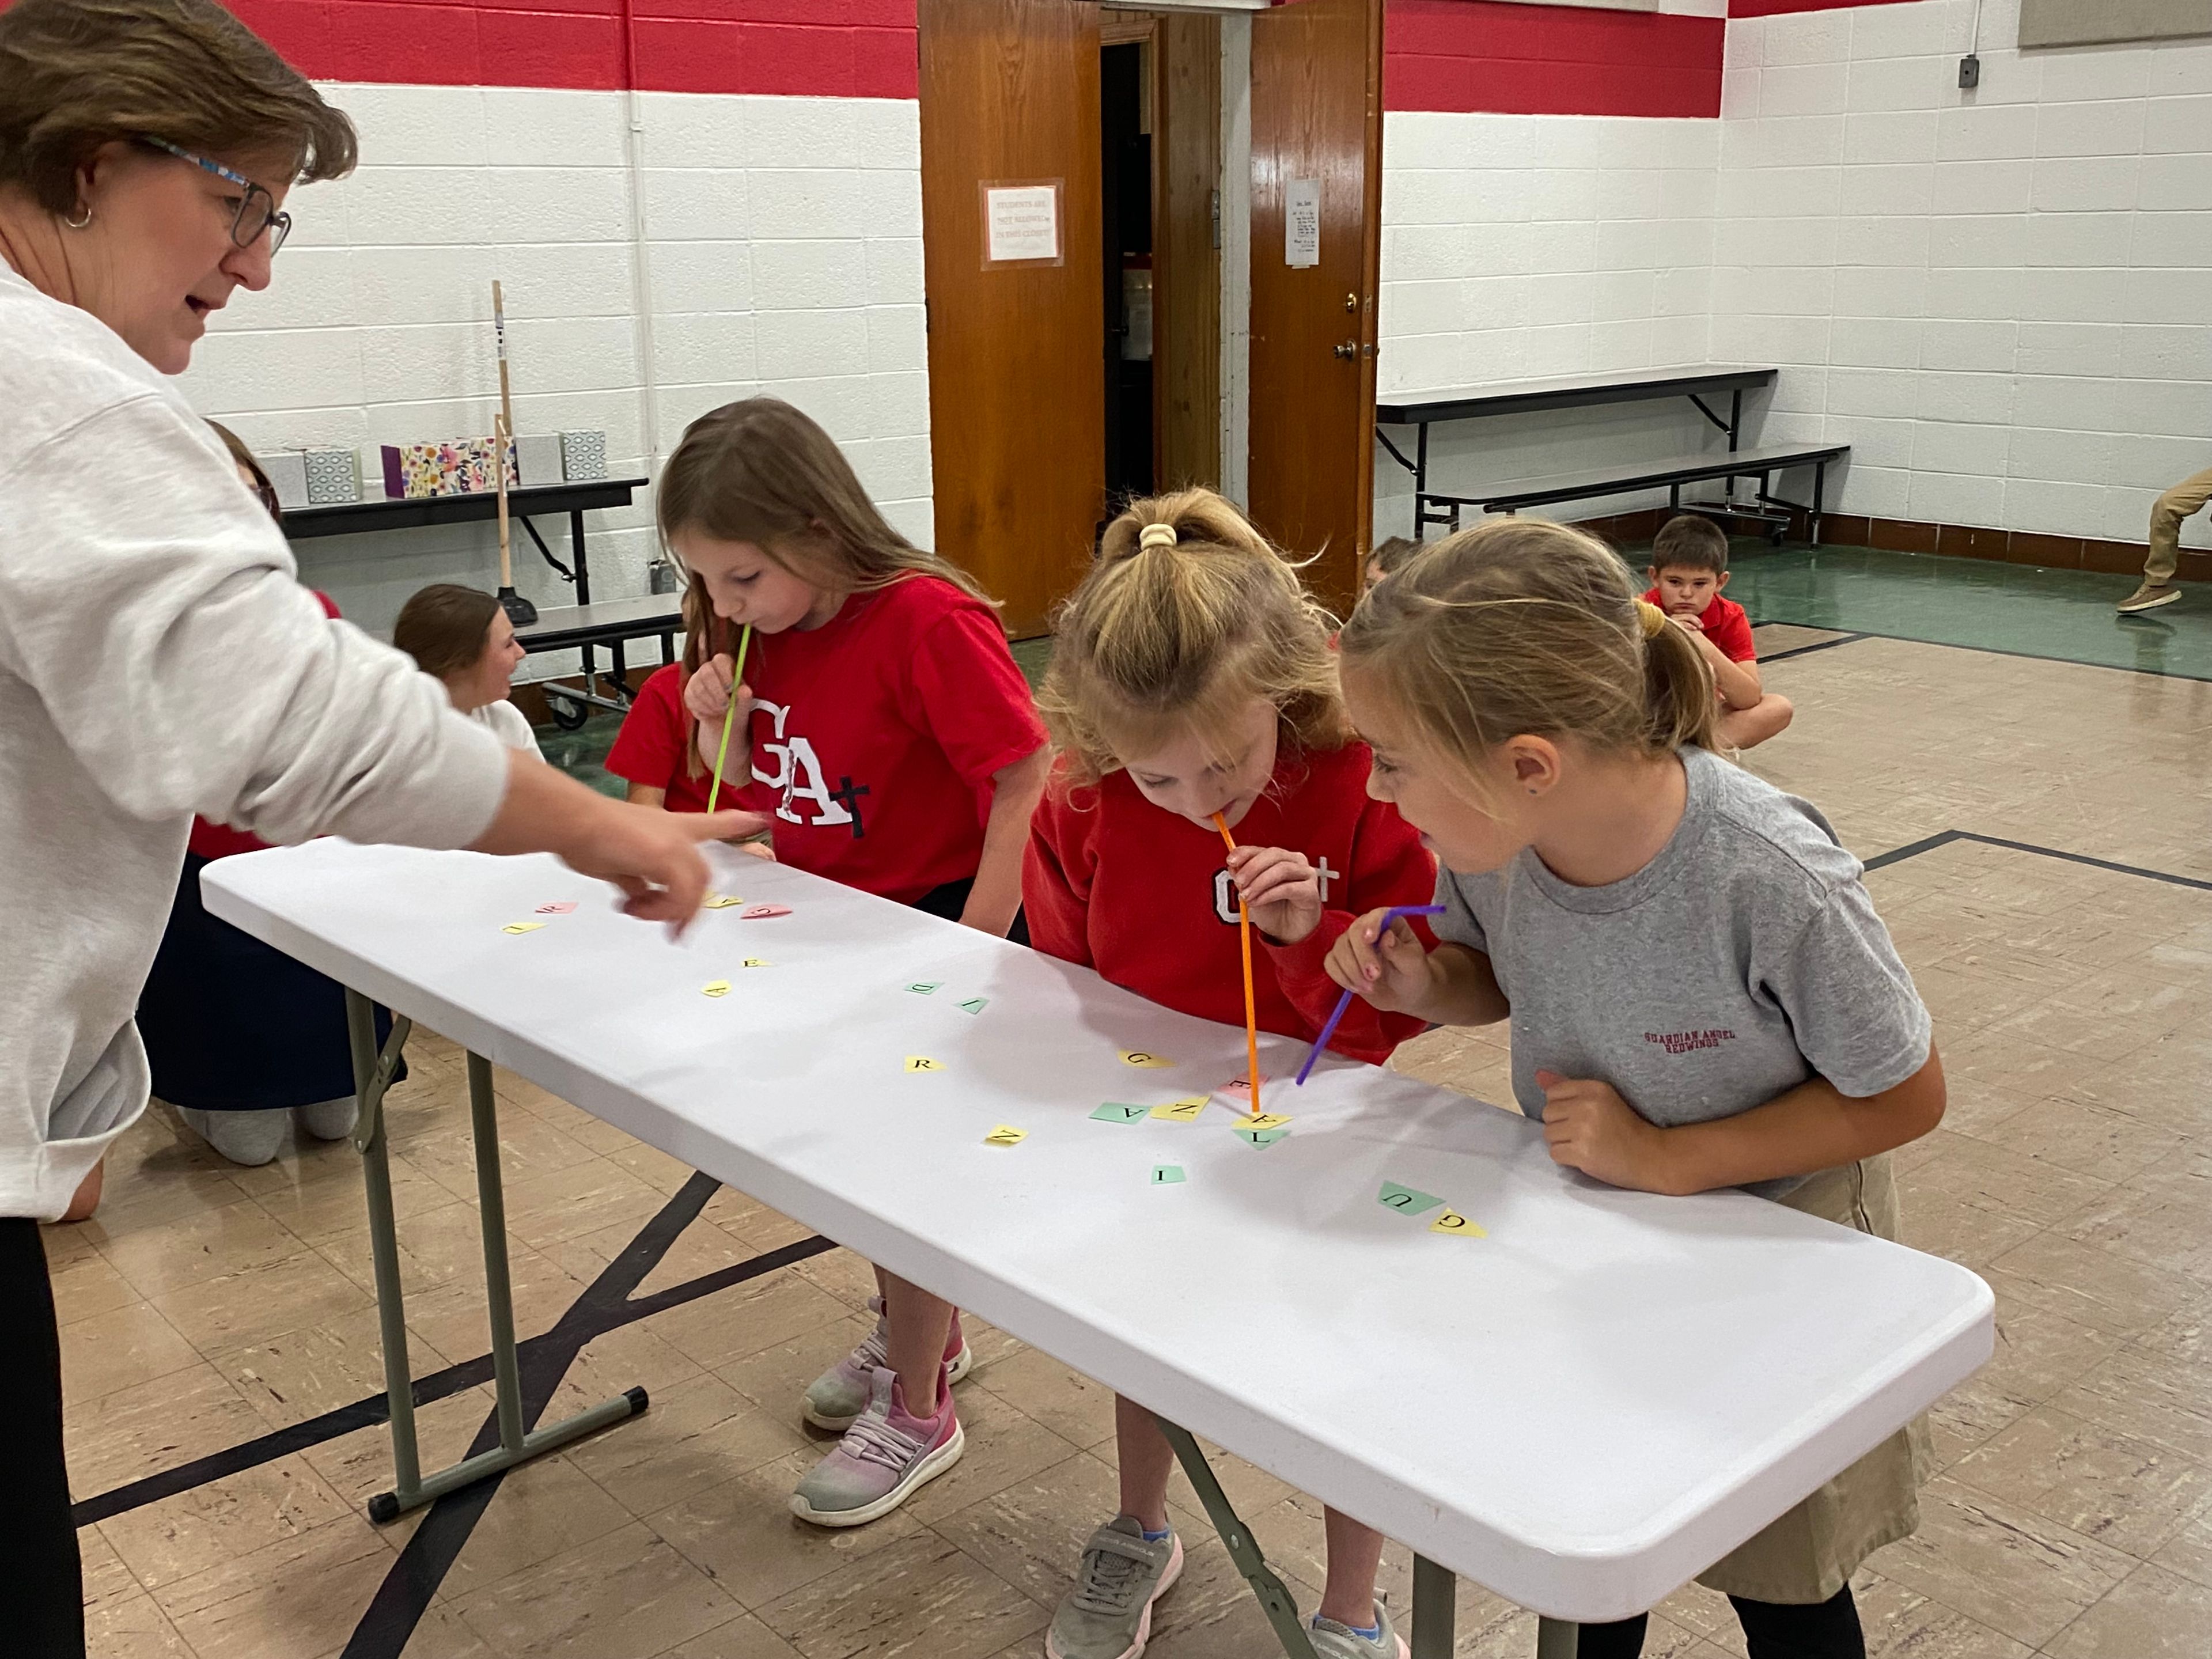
(730, 715)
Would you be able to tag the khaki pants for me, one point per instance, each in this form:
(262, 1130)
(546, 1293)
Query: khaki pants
(2178, 503)
(1810, 1553)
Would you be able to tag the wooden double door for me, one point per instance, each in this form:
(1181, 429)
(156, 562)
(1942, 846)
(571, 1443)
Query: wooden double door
(1010, 102)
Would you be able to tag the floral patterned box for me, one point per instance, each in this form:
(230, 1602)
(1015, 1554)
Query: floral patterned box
(462, 466)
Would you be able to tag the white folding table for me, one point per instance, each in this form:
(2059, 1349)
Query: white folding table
(1580, 1409)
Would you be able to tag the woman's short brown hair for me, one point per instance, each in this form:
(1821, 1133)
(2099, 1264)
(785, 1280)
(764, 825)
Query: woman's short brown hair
(76, 74)
(444, 627)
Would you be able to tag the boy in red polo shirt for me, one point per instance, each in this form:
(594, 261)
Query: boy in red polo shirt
(1689, 568)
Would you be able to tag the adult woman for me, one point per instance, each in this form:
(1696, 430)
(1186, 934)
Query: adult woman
(462, 638)
(157, 656)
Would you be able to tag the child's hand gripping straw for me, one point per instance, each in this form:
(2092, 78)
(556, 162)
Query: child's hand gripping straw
(730, 716)
(1389, 916)
(1251, 1014)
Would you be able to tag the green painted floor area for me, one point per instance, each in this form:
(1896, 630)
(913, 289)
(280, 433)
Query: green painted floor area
(582, 753)
(2066, 615)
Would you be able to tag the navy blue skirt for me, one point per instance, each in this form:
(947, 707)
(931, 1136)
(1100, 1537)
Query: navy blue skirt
(235, 1025)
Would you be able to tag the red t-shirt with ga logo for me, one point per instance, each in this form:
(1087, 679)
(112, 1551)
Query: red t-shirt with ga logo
(1142, 895)
(1726, 626)
(655, 745)
(875, 736)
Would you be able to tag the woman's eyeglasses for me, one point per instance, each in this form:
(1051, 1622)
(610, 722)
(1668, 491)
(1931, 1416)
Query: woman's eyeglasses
(257, 209)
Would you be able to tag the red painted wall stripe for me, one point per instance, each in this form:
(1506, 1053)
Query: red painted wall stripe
(819, 48)
(1781, 7)
(1466, 54)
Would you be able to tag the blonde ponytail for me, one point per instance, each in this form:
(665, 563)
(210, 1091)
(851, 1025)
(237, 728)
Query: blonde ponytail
(1188, 615)
(1522, 626)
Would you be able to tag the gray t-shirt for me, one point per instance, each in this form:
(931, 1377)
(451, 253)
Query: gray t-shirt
(1744, 959)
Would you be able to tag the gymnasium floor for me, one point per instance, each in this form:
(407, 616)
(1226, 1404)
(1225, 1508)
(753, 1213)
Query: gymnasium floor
(2041, 829)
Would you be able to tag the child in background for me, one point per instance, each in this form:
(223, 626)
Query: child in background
(885, 726)
(1701, 994)
(462, 636)
(1689, 568)
(656, 752)
(1191, 675)
(1385, 557)
(242, 1040)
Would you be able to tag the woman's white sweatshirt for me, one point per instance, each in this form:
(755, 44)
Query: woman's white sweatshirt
(158, 657)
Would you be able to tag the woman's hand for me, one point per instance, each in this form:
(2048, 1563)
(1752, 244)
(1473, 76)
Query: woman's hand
(1391, 970)
(1591, 1128)
(652, 855)
(1280, 889)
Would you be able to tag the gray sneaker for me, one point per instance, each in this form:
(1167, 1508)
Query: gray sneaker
(840, 1394)
(247, 1139)
(1333, 1641)
(1109, 1615)
(2149, 597)
(328, 1120)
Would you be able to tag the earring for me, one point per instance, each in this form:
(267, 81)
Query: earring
(84, 218)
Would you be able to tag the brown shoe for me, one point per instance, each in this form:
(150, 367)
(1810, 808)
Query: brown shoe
(2149, 597)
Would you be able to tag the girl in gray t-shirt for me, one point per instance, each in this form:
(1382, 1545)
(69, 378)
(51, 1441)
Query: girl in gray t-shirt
(1701, 994)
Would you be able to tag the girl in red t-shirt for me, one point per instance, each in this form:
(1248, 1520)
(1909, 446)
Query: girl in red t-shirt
(656, 752)
(886, 728)
(1192, 675)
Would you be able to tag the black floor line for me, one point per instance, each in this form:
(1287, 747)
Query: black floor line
(1806, 650)
(1987, 650)
(429, 1389)
(399, 1602)
(1914, 849)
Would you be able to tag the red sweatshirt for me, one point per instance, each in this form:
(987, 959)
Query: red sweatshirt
(1143, 895)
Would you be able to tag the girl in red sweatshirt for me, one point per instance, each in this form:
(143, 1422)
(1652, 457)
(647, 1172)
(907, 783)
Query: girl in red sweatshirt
(887, 732)
(1192, 675)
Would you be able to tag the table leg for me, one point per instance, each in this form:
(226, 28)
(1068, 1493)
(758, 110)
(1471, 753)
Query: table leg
(1556, 1638)
(411, 1489)
(1275, 1600)
(577, 558)
(372, 1075)
(1434, 1593)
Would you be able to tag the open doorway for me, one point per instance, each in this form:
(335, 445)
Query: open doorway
(1100, 134)
(1124, 218)
(1159, 141)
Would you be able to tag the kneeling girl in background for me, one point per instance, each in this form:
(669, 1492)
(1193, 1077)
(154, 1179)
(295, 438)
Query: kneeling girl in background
(1700, 992)
(1190, 677)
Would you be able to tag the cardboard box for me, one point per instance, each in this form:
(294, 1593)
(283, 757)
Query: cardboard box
(288, 472)
(462, 466)
(538, 459)
(333, 476)
(583, 456)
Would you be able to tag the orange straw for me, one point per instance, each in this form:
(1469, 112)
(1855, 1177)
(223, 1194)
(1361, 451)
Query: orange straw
(1251, 1014)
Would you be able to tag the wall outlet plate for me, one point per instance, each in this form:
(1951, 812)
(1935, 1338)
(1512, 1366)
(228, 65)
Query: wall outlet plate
(1970, 71)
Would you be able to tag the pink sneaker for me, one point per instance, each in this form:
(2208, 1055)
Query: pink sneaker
(885, 1457)
(840, 1394)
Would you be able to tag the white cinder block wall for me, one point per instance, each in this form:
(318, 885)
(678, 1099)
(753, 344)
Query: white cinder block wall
(2003, 297)
(783, 255)
(1999, 297)
(1523, 245)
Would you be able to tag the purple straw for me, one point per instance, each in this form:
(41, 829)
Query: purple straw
(1345, 1001)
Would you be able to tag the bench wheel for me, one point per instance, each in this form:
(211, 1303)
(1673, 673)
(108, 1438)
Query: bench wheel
(1775, 535)
(567, 715)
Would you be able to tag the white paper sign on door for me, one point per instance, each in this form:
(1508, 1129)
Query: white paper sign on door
(1022, 222)
(1302, 223)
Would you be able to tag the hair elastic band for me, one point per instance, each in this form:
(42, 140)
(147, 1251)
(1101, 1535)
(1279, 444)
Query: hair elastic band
(1653, 618)
(1155, 535)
